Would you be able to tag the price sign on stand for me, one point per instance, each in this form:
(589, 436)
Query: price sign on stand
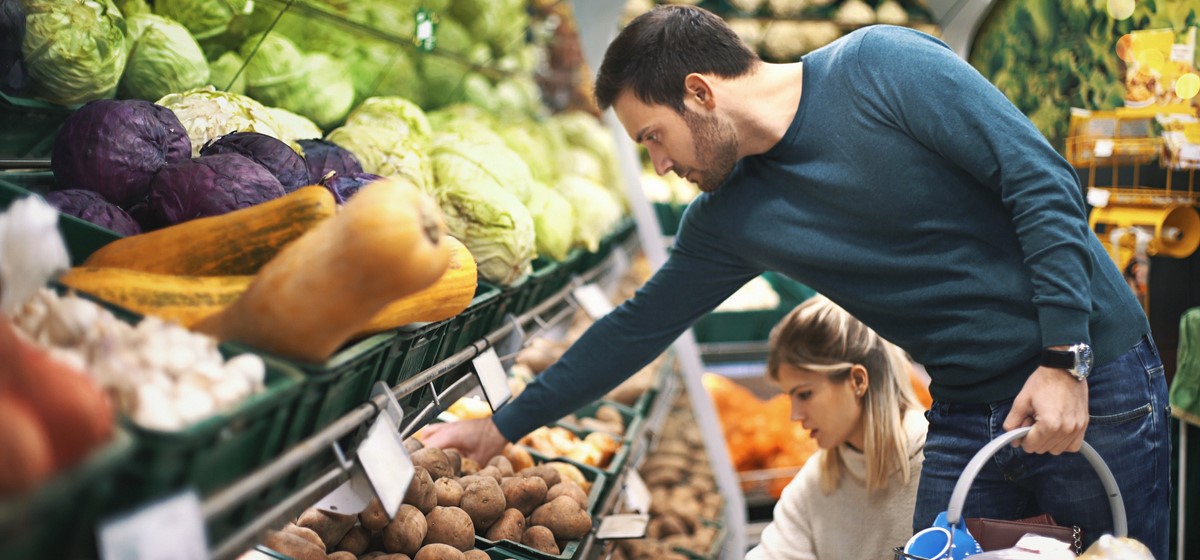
(637, 495)
(387, 464)
(492, 378)
(172, 529)
(623, 526)
(593, 301)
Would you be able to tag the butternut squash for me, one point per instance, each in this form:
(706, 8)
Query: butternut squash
(319, 290)
(447, 297)
(182, 299)
(236, 243)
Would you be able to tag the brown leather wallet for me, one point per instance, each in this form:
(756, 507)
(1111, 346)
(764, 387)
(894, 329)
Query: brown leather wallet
(998, 534)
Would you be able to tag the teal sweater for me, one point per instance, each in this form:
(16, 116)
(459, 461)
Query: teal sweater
(911, 192)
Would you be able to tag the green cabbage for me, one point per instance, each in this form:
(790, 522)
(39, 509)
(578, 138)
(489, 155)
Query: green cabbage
(477, 159)
(596, 211)
(526, 139)
(164, 59)
(314, 85)
(221, 73)
(386, 152)
(75, 50)
(492, 223)
(217, 25)
(392, 112)
(553, 221)
(208, 114)
(384, 69)
(130, 8)
(272, 59)
(294, 127)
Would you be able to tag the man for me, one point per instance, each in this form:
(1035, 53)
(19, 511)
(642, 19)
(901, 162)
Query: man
(888, 175)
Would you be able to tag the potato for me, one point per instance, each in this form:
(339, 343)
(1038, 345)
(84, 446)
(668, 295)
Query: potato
(413, 445)
(491, 471)
(355, 541)
(435, 461)
(568, 488)
(518, 457)
(450, 526)
(501, 462)
(469, 466)
(305, 533)
(374, 518)
(540, 538)
(342, 555)
(421, 493)
(395, 556)
(563, 517)
(545, 472)
(511, 526)
(330, 526)
(439, 551)
(484, 501)
(374, 555)
(455, 457)
(609, 413)
(476, 554)
(295, 546)
(406, 533)
(449, 492)
(524, 493)
(672, 524)
(567, 471)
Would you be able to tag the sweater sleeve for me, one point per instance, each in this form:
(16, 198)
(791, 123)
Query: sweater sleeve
(789, 536)
(697, 277)
(916, 83)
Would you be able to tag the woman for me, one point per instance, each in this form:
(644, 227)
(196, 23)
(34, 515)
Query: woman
(854, 498)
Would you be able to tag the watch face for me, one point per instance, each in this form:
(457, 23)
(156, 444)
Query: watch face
(1083, 359)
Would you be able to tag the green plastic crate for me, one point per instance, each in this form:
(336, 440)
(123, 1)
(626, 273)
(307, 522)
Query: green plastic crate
(475, 322)
(58, 519)
(28, 127)
(534, 289)
(81, 236)
(416, 348)
(752, 325)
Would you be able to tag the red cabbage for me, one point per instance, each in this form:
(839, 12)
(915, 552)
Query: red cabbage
(208, 186)
(13, 76)
(323, 156)
(90, 206)
(344, 186)
(280, 159)
(115, 148)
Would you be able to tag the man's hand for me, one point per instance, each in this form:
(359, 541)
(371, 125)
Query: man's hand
(1056, 405)
(478, 439)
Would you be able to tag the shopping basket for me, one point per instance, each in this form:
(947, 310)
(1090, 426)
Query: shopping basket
(959, 496)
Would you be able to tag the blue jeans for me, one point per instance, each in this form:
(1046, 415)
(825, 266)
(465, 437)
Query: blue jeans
(1129, 428)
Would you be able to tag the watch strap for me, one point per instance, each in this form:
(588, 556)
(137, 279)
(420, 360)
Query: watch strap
(1061, 359)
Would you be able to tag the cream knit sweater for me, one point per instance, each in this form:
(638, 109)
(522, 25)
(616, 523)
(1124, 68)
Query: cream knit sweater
(846, 524)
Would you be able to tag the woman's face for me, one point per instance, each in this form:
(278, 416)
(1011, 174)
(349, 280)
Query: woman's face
(830, 410)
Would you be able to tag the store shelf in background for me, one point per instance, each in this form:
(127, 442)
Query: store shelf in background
(81, 236)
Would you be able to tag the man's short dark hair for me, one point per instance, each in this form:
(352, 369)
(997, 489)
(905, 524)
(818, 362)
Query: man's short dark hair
(659, 48)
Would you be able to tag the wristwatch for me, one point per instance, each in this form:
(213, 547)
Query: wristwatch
(1077, 360)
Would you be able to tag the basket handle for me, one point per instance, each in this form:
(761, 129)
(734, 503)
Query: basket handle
(959, 496)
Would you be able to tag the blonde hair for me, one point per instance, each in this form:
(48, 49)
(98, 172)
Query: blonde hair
(819, 336)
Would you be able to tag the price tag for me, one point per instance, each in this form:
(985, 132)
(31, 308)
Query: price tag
(170, 529)
(492, 378)
(386, 462)
(425, 34)
(593, 301)
(1104, 148)
(623, 526)
(637, 495)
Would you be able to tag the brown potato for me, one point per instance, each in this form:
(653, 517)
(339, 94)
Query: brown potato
(545, 472)
(502, 463)
(484, 501)
(438, 551)
(455, 457)
(342, 555)
(413, 445)
(476, 554)
(295, 546)
(330, 526)
(491, 471)
(567, 471)
(374, 518)
(469, 467)
(450, 526)
(421, 493)
(563, 517)
(511, 526)
(524, 493)
(374, 555)
(395, 556)
(540, 538)
(406, 533)
(518, 457)
(356, 540)
(568, 488)
(435, 461)
(449, 492)
(609, 413)
(305, 533)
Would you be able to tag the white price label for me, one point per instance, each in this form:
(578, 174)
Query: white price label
(170, 529)
(1104, 148)
(623, 526)
(593, 301)
(637, 495)
(386, 462)
(492, 378)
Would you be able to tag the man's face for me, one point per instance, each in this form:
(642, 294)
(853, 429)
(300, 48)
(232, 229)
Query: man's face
(699, 147)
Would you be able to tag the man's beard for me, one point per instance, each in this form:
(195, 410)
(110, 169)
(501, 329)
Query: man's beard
(716, 144)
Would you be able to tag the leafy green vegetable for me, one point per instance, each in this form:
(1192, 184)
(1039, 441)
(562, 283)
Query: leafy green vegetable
(208, 114)
(553, 221)
(392, 112)
(596, 211)
(386, 152)
(164, 59)
(75, 51)
(221, 73)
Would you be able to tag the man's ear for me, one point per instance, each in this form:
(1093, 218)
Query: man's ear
(698, 91)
